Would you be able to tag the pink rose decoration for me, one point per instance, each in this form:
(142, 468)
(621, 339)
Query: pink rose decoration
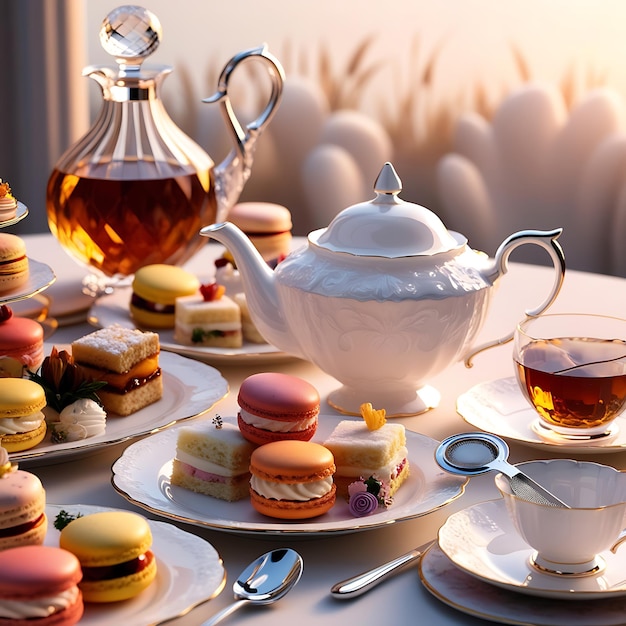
(362, 503)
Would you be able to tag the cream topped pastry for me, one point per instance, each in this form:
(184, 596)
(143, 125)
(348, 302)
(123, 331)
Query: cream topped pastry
(81, 419)
(8, 203)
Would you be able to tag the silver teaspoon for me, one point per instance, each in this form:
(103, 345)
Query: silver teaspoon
(264, 581)
(359, 584)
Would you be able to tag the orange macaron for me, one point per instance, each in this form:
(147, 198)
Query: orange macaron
(292, 479)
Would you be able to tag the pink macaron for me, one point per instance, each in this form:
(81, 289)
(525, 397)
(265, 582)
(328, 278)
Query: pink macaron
(39, 587)
(275, 407)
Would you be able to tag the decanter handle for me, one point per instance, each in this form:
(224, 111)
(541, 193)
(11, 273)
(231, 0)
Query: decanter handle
(229, 183)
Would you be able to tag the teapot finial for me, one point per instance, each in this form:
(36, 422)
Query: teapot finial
(388, 180)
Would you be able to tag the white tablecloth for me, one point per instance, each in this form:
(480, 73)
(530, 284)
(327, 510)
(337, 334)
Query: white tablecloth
(402, 599)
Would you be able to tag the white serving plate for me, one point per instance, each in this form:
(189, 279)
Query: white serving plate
(190, 388)
(114, 309)
(142, 475)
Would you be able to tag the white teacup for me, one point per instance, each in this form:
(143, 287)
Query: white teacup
(569, 541)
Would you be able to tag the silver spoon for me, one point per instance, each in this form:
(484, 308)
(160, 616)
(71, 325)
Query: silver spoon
(356, 585)
(264, 581)
(470, 454)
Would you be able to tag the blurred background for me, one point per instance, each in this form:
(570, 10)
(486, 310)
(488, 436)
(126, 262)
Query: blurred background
(498, 116)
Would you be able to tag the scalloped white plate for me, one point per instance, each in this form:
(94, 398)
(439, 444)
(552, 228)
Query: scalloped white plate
(189, 572)
(113, 309)
(190, 388)
(142, 475)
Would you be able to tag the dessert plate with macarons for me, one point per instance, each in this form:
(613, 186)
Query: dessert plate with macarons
(189, 571)
(143, 475)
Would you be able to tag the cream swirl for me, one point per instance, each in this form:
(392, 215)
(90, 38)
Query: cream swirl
(292, 491)
(276, 426)
(14, 425)
(81, 419)
(38, 607)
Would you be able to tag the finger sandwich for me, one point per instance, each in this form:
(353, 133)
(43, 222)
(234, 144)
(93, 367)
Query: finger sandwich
(364, 448)
(213, 459)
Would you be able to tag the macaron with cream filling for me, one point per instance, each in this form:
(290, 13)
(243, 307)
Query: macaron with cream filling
(267, 225)
(38, 587)
(14, 266)
(21, 339)
(292, 479)
(113, 548)
(22, 422)
(155, 289)
(276, 407)
(23, 518)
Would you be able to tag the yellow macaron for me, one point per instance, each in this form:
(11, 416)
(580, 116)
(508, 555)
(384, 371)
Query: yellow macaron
(155, 289)
(22, 423)
(113, 548)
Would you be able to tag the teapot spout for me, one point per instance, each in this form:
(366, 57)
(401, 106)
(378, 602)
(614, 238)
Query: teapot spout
(258, 282)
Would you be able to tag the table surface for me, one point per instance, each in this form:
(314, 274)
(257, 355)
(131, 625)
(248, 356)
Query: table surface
(328, 559)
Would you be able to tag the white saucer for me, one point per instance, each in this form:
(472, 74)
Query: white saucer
(499, 407)
(465, 593)
(482, 541)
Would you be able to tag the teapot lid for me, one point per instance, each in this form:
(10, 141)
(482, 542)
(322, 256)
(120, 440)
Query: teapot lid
(387, 226)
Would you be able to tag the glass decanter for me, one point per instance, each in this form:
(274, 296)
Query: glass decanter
(135, 190)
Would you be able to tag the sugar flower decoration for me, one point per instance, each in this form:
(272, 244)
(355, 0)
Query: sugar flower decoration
(365, 496)
(6, 467)
(374, 419)
(63, 381)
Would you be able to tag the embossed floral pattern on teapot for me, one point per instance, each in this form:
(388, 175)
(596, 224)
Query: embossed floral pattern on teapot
(383, 299)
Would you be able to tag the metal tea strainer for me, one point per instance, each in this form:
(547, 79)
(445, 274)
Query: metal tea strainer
(470, 454)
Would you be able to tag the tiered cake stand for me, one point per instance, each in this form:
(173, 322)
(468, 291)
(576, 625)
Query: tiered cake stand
(41, 275)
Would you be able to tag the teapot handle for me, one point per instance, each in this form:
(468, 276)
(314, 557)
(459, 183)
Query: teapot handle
(228, 186)
(548, 241)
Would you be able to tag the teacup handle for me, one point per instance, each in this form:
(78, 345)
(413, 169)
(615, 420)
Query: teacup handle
(548, 241)
(619, 542)
(242, 156)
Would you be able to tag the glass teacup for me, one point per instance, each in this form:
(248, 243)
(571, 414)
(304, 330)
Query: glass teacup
(569, 541)
(572, 369)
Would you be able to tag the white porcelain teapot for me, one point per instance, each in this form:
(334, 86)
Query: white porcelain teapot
(383, 299)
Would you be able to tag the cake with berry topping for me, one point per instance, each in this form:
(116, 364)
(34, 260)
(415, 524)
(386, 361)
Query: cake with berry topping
(208, 318)
(370, 447)
(8, 203)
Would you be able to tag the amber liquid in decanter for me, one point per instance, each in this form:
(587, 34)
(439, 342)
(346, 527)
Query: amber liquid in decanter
(117, 226)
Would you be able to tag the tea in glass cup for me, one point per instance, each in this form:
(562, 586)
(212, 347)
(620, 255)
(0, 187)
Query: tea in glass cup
(569, 541)
(572, 369)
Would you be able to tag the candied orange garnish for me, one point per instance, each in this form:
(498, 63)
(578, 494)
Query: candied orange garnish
(374, 418)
